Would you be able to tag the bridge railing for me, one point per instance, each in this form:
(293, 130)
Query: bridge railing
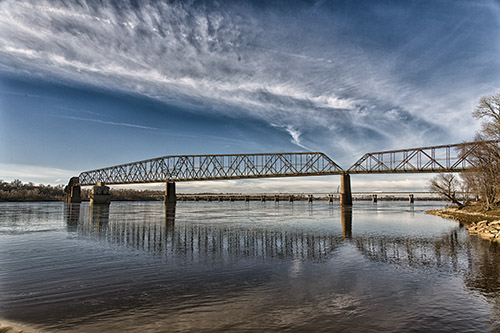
(444, 158)
(213, 167)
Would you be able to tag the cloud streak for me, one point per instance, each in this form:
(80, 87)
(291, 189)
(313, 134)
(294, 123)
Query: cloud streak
(327, 80)
(112, 123)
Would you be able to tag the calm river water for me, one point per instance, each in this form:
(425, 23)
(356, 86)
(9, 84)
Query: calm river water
(236, 266)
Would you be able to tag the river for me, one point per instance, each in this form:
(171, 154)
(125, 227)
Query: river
(237, 266)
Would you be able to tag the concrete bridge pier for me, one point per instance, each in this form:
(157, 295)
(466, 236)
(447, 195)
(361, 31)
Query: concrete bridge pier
(345, 190)
(169, 216)
(99, 194)
(72, 191)
(346, 217)
(99, 214)
(170, 197)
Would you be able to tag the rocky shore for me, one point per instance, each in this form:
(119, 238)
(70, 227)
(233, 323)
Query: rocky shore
(485, 224)
(486, 230)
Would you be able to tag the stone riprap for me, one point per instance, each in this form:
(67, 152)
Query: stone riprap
(486, 230)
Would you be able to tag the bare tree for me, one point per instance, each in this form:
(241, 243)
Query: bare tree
(446, 184)
(486, 177)
(469, 185)
(489, 110)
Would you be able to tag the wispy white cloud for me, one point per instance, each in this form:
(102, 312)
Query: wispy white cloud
(36, 174)
(294, 133)
(313, 83)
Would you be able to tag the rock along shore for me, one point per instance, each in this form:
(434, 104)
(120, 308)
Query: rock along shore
(485, 224)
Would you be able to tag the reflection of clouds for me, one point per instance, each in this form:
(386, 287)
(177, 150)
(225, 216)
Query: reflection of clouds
(312, 83)
(295, 268)
(446, 251)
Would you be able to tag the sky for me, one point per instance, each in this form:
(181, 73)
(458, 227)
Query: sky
(89, 84)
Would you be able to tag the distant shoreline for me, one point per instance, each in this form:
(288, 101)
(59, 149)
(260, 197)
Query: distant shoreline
(235, 197)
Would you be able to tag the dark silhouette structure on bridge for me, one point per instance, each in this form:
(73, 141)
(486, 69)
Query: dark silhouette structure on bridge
(171, 169)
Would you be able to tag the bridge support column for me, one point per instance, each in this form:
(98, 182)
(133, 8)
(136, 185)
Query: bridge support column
(411, 198)
(99, 194)
(346, 216)
(72, 191)
(170, 197)
(345, 190)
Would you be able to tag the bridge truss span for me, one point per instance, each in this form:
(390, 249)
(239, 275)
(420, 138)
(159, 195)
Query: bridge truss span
(213, 167)
(444, 158)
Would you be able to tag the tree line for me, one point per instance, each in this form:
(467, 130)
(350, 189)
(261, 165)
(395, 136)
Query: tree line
(16, 190)
(483, 181)
(19, 191)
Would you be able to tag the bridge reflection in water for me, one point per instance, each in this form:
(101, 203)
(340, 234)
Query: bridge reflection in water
(200, 240)
(209, 243)
(204, 240)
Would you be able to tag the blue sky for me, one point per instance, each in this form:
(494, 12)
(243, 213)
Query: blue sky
(88, 84)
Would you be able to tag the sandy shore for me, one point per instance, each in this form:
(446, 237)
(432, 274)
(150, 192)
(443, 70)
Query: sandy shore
(11, 327)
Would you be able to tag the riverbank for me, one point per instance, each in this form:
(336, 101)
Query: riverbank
(469, 214)
(481, 222)
(11, 327)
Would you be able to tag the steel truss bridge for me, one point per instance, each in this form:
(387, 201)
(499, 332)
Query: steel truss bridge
(444, 158)
(212, 167)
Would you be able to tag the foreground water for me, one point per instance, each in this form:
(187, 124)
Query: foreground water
(236, 266)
